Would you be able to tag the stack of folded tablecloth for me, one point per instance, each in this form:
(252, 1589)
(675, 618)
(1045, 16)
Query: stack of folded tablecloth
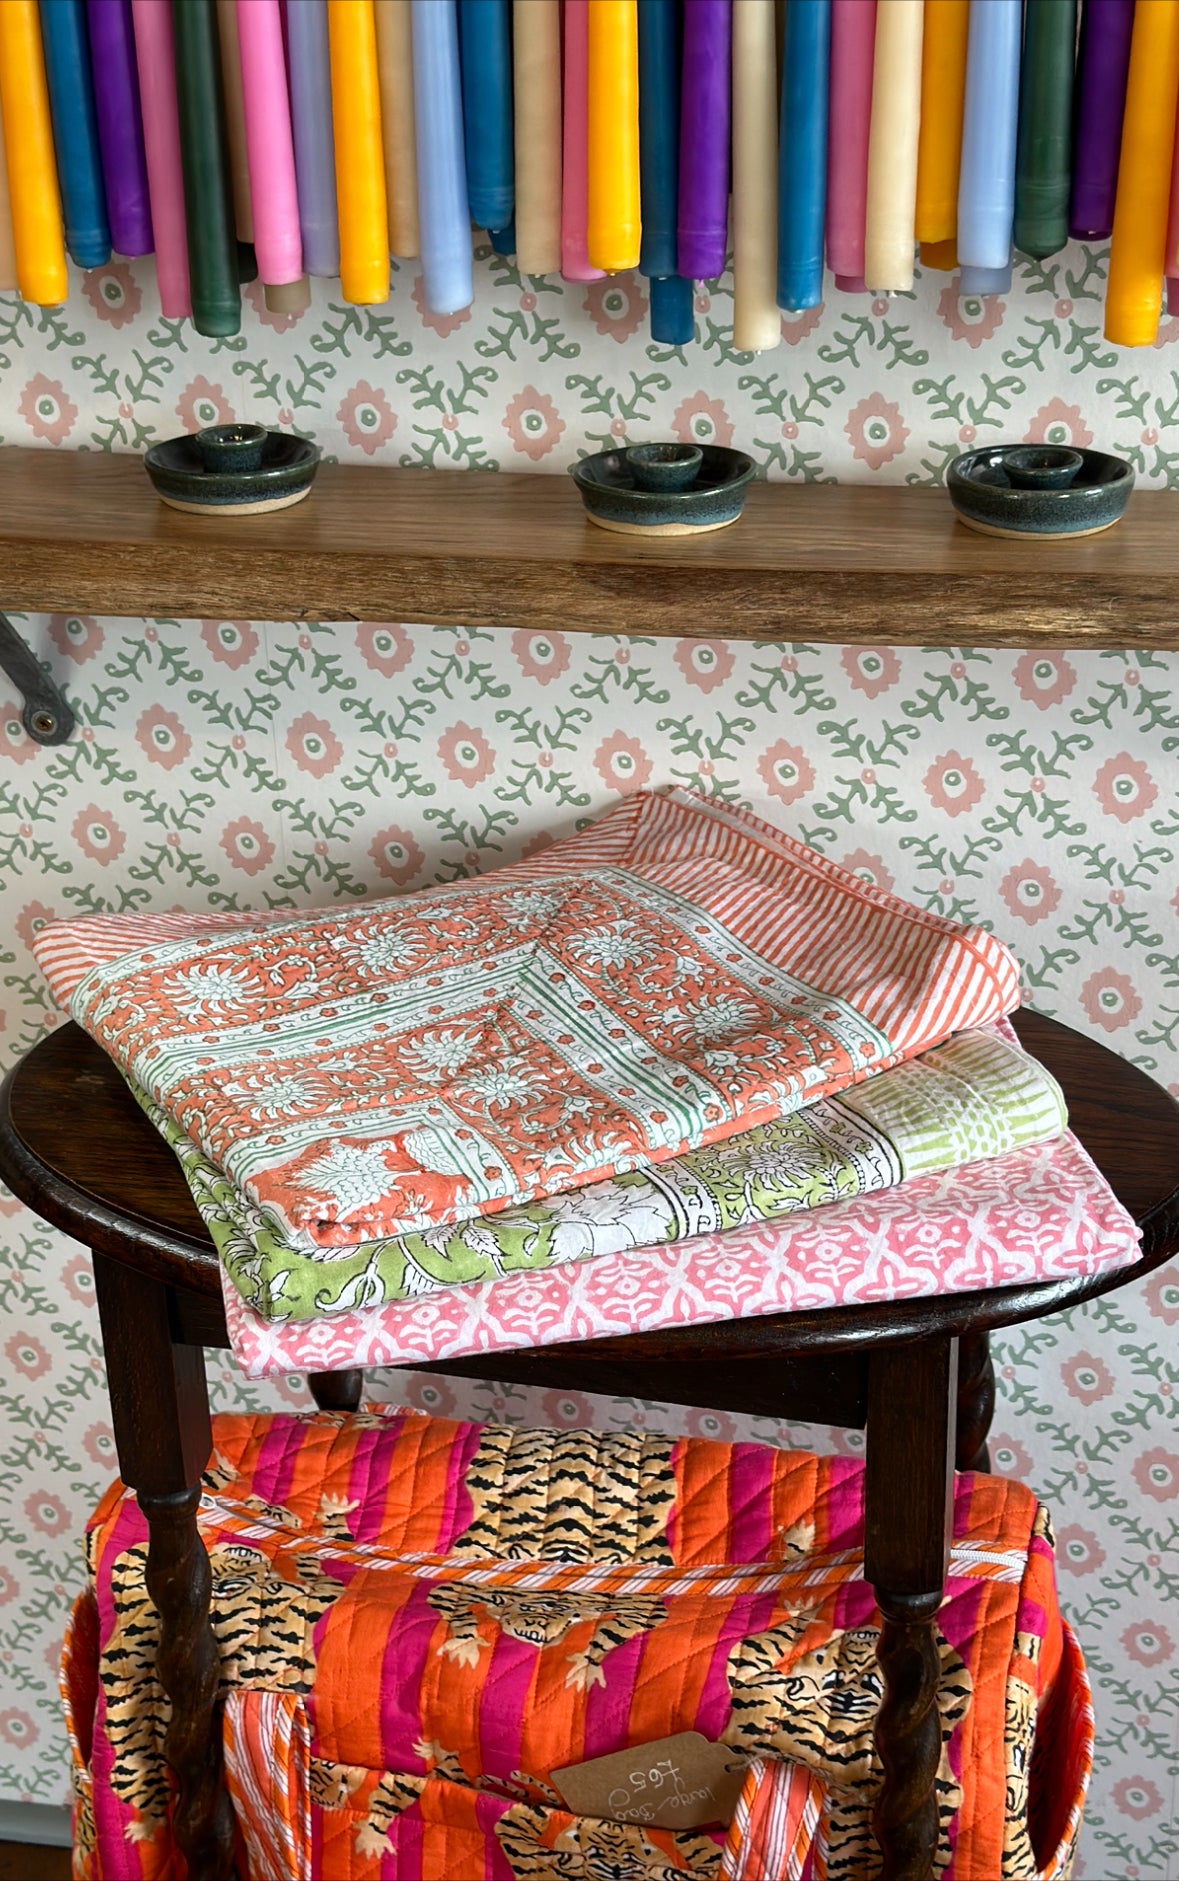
(599, 1091)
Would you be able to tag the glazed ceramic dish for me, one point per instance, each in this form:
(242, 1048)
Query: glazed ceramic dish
(240, 468)
(664, 489)
(1039, 490)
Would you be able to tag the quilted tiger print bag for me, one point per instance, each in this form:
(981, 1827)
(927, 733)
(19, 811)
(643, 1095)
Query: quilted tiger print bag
(428, 1629)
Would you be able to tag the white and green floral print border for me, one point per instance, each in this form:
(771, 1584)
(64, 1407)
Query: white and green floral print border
(237, 764)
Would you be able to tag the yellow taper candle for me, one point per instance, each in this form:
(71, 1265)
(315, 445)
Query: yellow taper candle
(757, 321)
(360, 161)
(7, 251)
(1138, 249)
(943, 90)
(28, 145)
(395, 59)
(536, 94)
(613, 220)
(889, 235)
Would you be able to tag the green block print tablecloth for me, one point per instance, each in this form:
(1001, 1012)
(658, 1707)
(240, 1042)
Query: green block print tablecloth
(976, 1096)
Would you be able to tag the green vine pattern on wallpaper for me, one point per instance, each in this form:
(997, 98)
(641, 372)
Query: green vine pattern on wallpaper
(236, 764)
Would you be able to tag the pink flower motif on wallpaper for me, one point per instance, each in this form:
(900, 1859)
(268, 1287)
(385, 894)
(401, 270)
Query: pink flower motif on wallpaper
(952, 784)
(27, 1355)
(231, 642)
(1087, 1378)
(113, 292)
(786, 771)
(543, 657)
(537, 844)
(1157, 1474)
(99, 1445)
(77, 1277)
(970, 317)
(1147, 1643)
(705, 664)
(1030, 892)
(15, 743)
(566, 1410)
(869, 868)
(9, 1587)
(162, 738)
(385, 647)
(441, 324)
(432, 1395)
(533, 423)
(77, 636)
(1136, 1797)
(48, 409)
(255, 295)
(17, 1728)
(1110, 1000)
(1009, 1457)
(622, 764)
(799, 326)
(31, 919)
(1044, 679)
(617, 306)
(47, 1513)
(98, 835)
(877, 431)
(1078, 1550)
(702, 420)
(713, 1426)
(1058, 423)
(465, 754)
(202, 403)
(247, 845)
(395, 854)
(1162, 1296)
(871, 670)
(366, 417)
(313, 745)
(1125, 788)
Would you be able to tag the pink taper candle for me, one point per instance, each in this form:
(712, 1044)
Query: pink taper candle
(575, 261)
(270, 147)
(853, 43)
(156, 64)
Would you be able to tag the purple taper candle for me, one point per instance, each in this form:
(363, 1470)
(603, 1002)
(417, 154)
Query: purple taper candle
(703, 220)
(120, 125)
(1106, 26)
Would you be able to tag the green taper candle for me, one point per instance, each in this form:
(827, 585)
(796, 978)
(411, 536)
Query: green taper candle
(212, 240)
(1042, 165)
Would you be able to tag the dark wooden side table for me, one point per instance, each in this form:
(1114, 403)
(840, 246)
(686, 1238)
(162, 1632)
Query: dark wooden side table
(915, 1374)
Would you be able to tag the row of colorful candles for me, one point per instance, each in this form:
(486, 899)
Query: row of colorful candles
(318, 137)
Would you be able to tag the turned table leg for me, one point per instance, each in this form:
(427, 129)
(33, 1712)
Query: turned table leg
(337, 1391)
(160, 1411)
(976, 1402)
(909, 1480)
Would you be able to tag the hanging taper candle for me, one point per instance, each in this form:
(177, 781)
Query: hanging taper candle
(1102, 66)
(613, 215)
(802, 148)
(1138, 249)
(536, 51)
(442, 173)
(120, 125)
(360, 166)
(270, 147)
(311, 122)
(943, 93)
(395, 56)
(1044, 149)
(66, 40)
(7, 250)
(155, 59)
(853, 44)
(485, 51)
(575, 261)
(986, 181)
(890, 231)
(704, 139)
(37, 232)
(757, 323)
(212, 245)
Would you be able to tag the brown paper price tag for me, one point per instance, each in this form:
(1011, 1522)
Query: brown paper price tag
(680, 1782)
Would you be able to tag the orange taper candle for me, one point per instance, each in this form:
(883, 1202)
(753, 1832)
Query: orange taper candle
(943, 91)
(360, 161)
(1138, 250)
(37, 232)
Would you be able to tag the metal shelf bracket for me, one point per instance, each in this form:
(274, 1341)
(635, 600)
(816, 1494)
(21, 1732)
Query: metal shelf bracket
(44, 713)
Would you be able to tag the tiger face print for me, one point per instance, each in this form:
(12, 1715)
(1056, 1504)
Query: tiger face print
(542, 1619)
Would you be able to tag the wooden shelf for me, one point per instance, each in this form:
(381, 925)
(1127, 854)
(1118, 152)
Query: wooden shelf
(83, 532)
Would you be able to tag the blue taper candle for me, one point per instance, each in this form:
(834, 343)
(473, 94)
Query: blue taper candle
(986, 178)
(442, 174)
(802, 153)
(673, 313)
(311, 122)
(66, 40)
(659, 135)
(485, 48)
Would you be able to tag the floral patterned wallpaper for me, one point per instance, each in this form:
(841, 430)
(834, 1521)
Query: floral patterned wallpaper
(236, 763)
